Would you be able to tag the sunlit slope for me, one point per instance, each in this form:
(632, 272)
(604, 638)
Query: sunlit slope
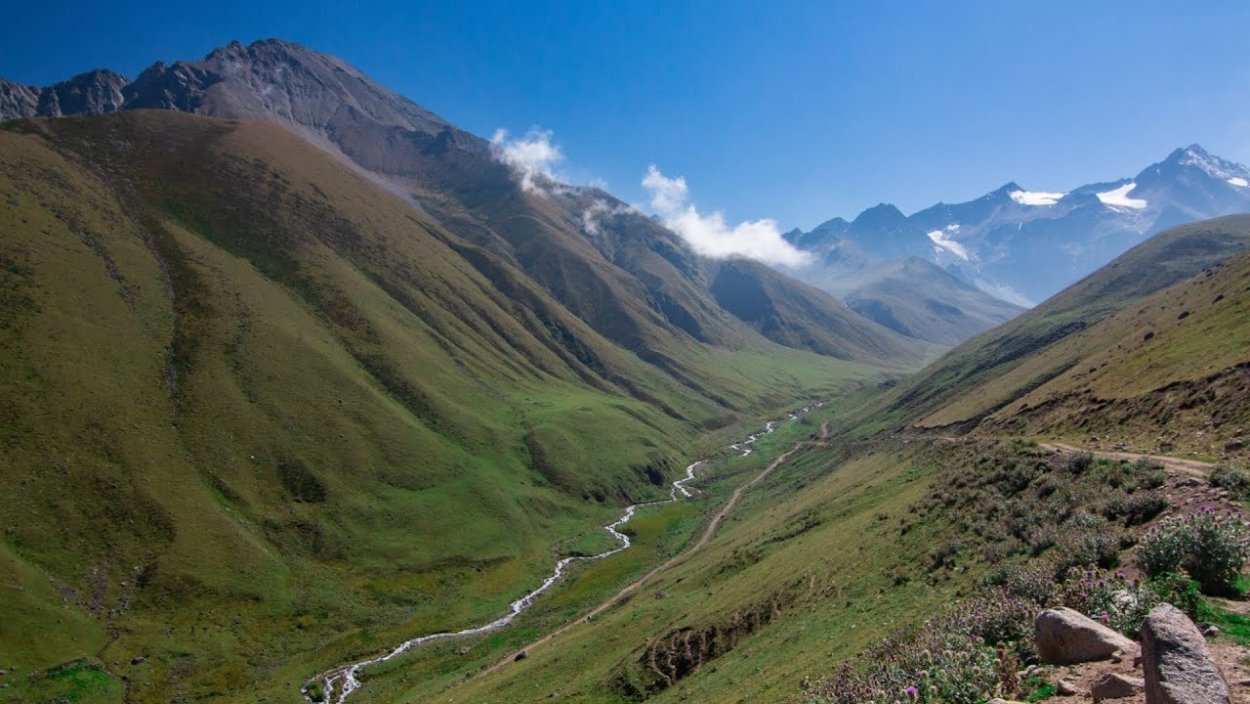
(990, 372)
(252, 404)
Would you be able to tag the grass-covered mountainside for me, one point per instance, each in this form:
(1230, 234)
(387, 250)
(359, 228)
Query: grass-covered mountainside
(1153, 333)
(260, 413)
(292, 370)
(893, 555)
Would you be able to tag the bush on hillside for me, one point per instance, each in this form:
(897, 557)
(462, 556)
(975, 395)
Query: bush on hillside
(1232, 479)
(1211, 547)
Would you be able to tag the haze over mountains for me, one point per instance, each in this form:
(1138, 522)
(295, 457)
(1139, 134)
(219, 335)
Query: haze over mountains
(1023, 245)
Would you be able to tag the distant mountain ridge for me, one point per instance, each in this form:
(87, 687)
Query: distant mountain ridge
(1024, 245)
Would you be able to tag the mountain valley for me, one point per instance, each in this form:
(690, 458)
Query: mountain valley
(294, 374)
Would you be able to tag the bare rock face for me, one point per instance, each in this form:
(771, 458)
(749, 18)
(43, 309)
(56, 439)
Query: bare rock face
(1065, 637)
(1177, 662)
(1114, 685)
(92, 93)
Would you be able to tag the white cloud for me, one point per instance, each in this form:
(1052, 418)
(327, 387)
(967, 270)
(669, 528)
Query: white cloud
(1239, 182)
(598, 210)
(709, 235)
(533, 156)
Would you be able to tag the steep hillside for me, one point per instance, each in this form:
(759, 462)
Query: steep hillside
(643, 291)
(916, 298)
(1099, 337)
(259, 413)
(875, 559)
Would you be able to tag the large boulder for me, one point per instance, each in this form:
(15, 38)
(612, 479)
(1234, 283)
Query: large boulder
(1177, 662)
(1066, 637)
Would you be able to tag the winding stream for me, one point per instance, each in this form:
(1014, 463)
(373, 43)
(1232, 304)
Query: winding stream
(338, 683)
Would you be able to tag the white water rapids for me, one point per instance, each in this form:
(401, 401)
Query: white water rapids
(338, 683)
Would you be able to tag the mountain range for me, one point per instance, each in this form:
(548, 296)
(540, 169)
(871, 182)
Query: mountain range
(289, 363)
(292, 369)
(1022, 245)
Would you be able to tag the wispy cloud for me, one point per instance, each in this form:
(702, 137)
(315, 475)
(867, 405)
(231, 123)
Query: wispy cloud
(710, 235)
(598, 211)
(533, 157)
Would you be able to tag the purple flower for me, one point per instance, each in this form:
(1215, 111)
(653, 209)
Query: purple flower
(911, 692)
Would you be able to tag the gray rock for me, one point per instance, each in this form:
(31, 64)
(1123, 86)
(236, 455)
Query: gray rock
(1178, 664)
(1113, 685)
(1065, 637)
(1065, 688)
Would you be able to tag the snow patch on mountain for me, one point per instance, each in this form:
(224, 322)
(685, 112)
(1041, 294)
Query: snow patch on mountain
(941, 238)
(1118, 198)
(1036, 197)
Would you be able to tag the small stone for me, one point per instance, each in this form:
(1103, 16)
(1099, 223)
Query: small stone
(520, 656)
(1113, 685)
(1065, 688)
(1234, 445)
(661, 594)
(138, 660)
(1210, 630)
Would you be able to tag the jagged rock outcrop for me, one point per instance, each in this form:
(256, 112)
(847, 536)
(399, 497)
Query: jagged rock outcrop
(1066, 637)
(91, 93)
(1177, 662)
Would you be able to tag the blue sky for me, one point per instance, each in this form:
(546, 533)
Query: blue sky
(792, 111)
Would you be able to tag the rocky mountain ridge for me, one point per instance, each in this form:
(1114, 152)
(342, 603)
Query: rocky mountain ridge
(1024, 246)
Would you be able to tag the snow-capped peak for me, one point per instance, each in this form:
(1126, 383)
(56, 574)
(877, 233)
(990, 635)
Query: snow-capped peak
(1118, 198)
(1197, 157)
(1036, 197)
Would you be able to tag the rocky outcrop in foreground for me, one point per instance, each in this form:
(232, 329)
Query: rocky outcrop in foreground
(1067, 637)
(1178, 664)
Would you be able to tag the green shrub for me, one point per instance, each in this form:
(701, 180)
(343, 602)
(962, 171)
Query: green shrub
(1211, 547)
(1232, 479)
(1148, 474)
(1087, 541)
(1180, 591)
(1079, 463)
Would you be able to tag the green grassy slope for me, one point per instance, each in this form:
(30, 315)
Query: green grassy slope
(873, 531)
(993, 370)
(259, 415)
(812, 568)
